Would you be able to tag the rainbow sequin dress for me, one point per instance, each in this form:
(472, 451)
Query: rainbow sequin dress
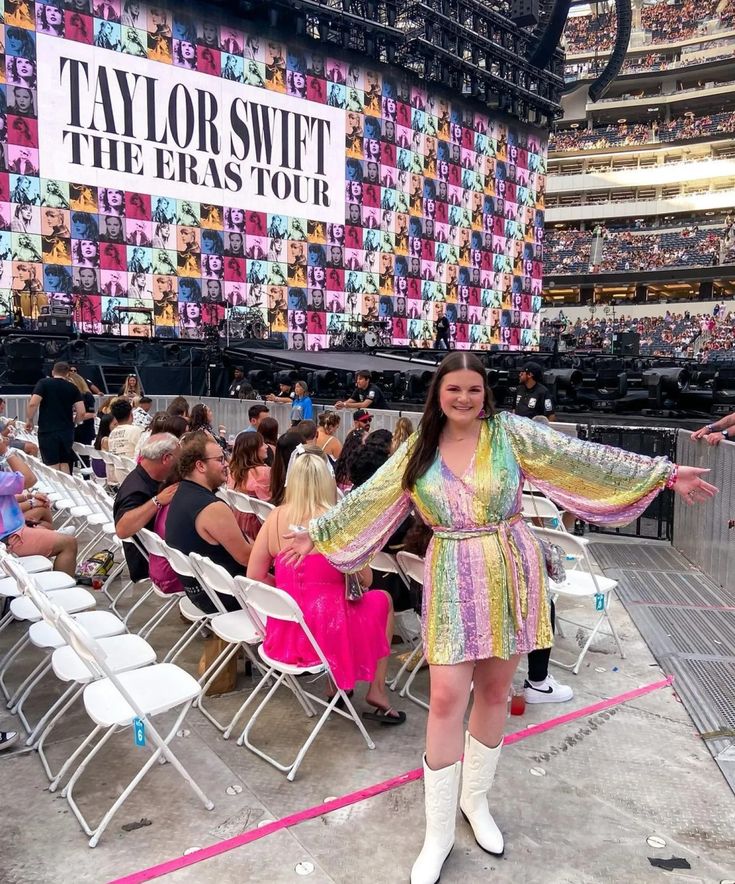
(485, 584)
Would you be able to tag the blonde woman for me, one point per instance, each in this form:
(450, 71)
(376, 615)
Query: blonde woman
(354, 635)
(401, 432)
(131, 388)
(326, 439)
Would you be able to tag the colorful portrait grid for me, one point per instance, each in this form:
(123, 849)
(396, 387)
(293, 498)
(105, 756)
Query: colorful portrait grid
(443, 206)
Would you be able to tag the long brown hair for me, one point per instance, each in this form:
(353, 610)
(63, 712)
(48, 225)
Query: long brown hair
(244, 457)
(431, 425)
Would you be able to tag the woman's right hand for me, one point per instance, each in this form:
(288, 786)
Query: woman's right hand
(298, 546)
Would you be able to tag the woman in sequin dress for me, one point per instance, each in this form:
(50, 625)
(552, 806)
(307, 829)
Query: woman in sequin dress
(485, 587)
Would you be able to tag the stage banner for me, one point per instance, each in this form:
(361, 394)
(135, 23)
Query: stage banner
(105, 118)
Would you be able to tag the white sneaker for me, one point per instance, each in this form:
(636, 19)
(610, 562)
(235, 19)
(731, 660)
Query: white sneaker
(548, 691)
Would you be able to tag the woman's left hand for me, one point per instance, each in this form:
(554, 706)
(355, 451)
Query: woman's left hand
(691, 486)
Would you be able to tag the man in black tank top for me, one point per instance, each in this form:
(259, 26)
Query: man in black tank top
(199, 521)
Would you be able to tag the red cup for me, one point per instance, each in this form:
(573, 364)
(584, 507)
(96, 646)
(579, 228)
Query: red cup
(517, 703)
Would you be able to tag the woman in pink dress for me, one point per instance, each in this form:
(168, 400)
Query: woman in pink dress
(249, 474)
(354, 635)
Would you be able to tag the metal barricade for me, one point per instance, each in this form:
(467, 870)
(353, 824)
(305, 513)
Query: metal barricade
(658, 519)
(703, 533)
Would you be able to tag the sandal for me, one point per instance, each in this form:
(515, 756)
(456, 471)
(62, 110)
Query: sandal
(389, 716)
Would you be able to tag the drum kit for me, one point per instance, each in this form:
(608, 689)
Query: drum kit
(359, 334)
(246, 323)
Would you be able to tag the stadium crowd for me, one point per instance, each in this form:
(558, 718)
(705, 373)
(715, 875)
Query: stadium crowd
(568, 251)
(662, 21)
(684, 128)
(672, 335)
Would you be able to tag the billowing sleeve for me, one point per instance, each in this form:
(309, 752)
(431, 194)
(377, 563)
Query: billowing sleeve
(11, 483)
(598, 483)
(356, 528)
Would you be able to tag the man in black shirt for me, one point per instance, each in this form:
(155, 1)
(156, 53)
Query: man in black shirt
(240, 388)
(61, 406)
(365, 395)
(136, 502)
(532, 397)
(199, 521)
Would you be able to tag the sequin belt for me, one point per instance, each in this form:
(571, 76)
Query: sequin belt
(479, 531)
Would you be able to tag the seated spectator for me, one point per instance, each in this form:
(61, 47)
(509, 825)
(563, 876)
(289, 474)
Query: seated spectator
(107, 425)
(179, 407)
(199, 521)
(285, 447)
(326, 438)
(138, 501)
(402, 430)
(21, 539)
(256, 413)
(123, 438)
(162, 422)
(202, 418)
(7, 428)
(361, 420)
(141, 412)
(268, 429)
(249, 474)
(343, 467)
(307, 430)
(355, 636)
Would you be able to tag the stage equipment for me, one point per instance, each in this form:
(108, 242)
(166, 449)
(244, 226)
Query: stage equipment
(549, 40)
(665, 385)
(563, 384)
(470, 48)
(325, 383)
(626, 344)
(624, 15)
(57, 321)
(723, 391)
(262, 380)
(417, 384)
(25, 360)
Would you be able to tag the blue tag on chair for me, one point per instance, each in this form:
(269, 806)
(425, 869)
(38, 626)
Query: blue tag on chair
(139, 732)
(599, 601)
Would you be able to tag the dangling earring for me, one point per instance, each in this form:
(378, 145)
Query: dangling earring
(481, 415)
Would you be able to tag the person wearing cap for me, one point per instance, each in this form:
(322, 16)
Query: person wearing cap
(361, 419)
(532, 397)
(365, 395)
(285, 394)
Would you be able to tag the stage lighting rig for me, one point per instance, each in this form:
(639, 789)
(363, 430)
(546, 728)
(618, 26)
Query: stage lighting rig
(723, 391)
(468, 46)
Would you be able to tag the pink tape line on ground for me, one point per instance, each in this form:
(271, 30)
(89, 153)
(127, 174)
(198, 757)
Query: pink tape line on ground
(180, 862)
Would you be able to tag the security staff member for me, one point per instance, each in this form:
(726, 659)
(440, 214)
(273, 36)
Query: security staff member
(532, 397)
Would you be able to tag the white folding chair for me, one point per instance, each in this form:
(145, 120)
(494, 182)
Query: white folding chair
(124, 652)
(533, 506)
(261, 508)
(406, 623)
(275, 604)
(413, 568)
(198, 619)
(126, 700)
(581, 583)
(45, 637)
(155, 546)
(236, 628)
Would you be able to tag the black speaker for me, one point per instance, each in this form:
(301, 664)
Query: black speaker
(614, 64)
(524, 13)
(552, 34)
(58, 325)
(626, 344)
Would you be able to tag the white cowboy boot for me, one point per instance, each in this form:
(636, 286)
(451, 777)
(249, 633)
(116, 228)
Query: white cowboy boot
(478, 774)
(440, 798)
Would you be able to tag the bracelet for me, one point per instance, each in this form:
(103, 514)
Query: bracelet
(159, 505)
(710, 427)
(673, 476)
(725, 434)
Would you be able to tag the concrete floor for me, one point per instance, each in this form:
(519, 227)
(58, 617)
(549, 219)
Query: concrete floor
(576, 803)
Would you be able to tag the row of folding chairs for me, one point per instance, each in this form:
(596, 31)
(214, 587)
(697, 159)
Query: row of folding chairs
(119, 463)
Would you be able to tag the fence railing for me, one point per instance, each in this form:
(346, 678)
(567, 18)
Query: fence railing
(702, 533)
